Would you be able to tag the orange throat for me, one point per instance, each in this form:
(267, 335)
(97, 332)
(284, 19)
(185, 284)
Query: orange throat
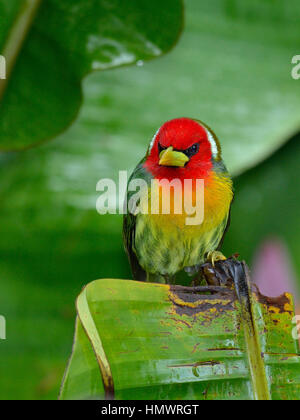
(172, 203)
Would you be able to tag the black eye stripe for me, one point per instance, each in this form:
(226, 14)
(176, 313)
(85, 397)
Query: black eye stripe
(191, 151)
(160, 147)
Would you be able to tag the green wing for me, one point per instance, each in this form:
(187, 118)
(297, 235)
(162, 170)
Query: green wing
(129, 224)
(220, 167)
(225, 230)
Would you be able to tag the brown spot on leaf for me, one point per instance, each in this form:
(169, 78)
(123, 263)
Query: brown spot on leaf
(190, 302)
(224, 349)
(196, 364)
(277, 304)
(181, 321)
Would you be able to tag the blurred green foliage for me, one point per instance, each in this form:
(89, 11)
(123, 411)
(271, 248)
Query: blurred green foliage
(67, 41)
(267, 204)
(232, 70)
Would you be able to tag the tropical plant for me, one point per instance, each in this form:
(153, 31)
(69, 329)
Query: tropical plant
(231, 68)
(151, 341)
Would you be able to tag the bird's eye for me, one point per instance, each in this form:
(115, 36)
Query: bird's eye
(160, 147)
(191, 151)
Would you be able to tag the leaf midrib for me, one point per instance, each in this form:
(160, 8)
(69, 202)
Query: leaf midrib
(17, 37)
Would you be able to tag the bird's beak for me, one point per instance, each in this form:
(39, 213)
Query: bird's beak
(170, 157)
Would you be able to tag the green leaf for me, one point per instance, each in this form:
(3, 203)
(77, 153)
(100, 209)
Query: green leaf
(51, 45)
(48, 196)
(89, 378)
(230, 69)
(178, 345)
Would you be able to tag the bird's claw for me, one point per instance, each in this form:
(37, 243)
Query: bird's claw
(214, 256)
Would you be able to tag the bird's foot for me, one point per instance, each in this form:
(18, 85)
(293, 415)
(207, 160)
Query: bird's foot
(214, 256)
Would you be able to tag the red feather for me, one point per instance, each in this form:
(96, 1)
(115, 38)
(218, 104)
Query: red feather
(181, 133)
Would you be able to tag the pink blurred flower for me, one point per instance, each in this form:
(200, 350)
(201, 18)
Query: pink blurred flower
(272, 270)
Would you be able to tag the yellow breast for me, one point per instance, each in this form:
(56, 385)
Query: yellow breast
(166, 212)
(166, 244)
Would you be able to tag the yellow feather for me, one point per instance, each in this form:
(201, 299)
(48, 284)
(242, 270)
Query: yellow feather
(160, 236)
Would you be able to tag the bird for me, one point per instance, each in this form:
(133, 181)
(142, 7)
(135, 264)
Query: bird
(159, 245)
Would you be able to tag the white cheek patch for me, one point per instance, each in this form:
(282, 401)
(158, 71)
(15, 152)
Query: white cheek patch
(153, 140)
(213, 144)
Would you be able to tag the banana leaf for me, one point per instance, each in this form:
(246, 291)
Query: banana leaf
(50, 46)
(152, 341)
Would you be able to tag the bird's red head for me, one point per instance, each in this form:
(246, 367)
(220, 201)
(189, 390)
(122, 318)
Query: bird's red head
(182, 148)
